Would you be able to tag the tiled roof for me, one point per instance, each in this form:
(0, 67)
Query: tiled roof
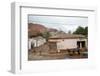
(67, 36)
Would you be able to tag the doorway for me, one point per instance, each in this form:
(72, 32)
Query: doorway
(80, 44)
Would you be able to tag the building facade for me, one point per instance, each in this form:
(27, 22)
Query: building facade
(71, 41)
(35, 42)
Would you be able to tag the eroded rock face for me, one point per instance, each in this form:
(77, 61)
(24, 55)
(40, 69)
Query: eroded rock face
(35, 29)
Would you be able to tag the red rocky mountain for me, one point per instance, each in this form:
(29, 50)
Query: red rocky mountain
(35, 29)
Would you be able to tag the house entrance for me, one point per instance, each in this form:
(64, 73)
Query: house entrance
(80, 44)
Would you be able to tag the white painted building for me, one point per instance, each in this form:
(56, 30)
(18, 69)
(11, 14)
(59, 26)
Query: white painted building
(36, 42)
(69, 41)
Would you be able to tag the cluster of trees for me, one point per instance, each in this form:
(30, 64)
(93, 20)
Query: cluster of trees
(46, 35)
(81, 30)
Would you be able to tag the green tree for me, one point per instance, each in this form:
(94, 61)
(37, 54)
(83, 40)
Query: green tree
(86, 31)
(46, 35)
(81, 30)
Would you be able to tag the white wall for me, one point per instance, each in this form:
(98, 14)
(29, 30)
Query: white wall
(5, 42)
(41, 42)
(36, 43)
(68, 43)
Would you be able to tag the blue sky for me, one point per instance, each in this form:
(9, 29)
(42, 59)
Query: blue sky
(61, 23)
